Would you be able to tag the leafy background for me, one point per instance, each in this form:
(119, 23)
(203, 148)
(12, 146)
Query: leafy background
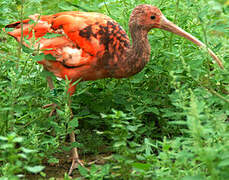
(170, 121)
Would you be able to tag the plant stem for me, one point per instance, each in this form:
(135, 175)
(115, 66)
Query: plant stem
(105, 4)
(216, 94)
(175, 20)
(21, 18)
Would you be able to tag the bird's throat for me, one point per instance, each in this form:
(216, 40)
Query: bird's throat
(138, 54)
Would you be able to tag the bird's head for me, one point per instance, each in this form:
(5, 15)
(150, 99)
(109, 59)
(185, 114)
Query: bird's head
(145, 17)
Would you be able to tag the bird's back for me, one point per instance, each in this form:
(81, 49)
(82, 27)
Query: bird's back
(85, 45)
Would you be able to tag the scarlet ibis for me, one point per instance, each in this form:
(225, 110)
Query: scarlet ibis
(91, 46)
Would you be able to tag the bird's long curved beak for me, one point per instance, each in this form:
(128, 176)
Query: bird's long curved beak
(169, 26)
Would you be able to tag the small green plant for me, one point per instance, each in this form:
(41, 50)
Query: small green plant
(96, 172)
(15, 159)
(120, 133)
(130, 151)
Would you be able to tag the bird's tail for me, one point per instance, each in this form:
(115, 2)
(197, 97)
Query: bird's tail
(27, 28)
(17, 24)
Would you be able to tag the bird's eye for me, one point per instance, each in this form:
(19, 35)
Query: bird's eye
(153, 17)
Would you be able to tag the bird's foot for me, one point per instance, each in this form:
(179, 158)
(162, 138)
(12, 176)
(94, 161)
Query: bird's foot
(75, 161)
(53, 105)
(100, 160)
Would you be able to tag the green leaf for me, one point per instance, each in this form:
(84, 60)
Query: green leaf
(197, 177)
(26, 49)
(83, 171)
(6, 146)
(105, 169)
(25, 150)
(132, 128)
(45, 73)
(65, 6)
(53, 160)
(224, 163)
(18, 139)
(22, 155)
(221, 27)
(178, 122)
(7, 29)
(76, 144)
(34, 169)
(119, 143)
(2, 138)
(51, 35)
(39, 57)
(74, 123)
(53, 92)
(141, 166)
(66, 148)
(50, 57)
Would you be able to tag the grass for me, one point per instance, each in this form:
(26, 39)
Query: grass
(170, 121)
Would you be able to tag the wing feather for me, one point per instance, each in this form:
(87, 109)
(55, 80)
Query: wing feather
(79, 41)
(85, 45)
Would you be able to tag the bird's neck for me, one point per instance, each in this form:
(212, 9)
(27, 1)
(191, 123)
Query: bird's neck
(137, 55)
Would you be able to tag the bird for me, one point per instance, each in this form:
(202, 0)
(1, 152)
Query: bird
(88, 45)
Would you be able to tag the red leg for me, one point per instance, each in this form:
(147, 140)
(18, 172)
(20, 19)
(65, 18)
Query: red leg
(75, 156)
(71, 89)
(53, 105)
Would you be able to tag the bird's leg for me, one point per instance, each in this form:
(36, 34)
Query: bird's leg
(50, 82)
(75, 156)
(51, 86)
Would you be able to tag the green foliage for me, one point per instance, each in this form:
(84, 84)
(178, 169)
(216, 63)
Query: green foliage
(170, 121)
(96, 172)
(16, 159)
